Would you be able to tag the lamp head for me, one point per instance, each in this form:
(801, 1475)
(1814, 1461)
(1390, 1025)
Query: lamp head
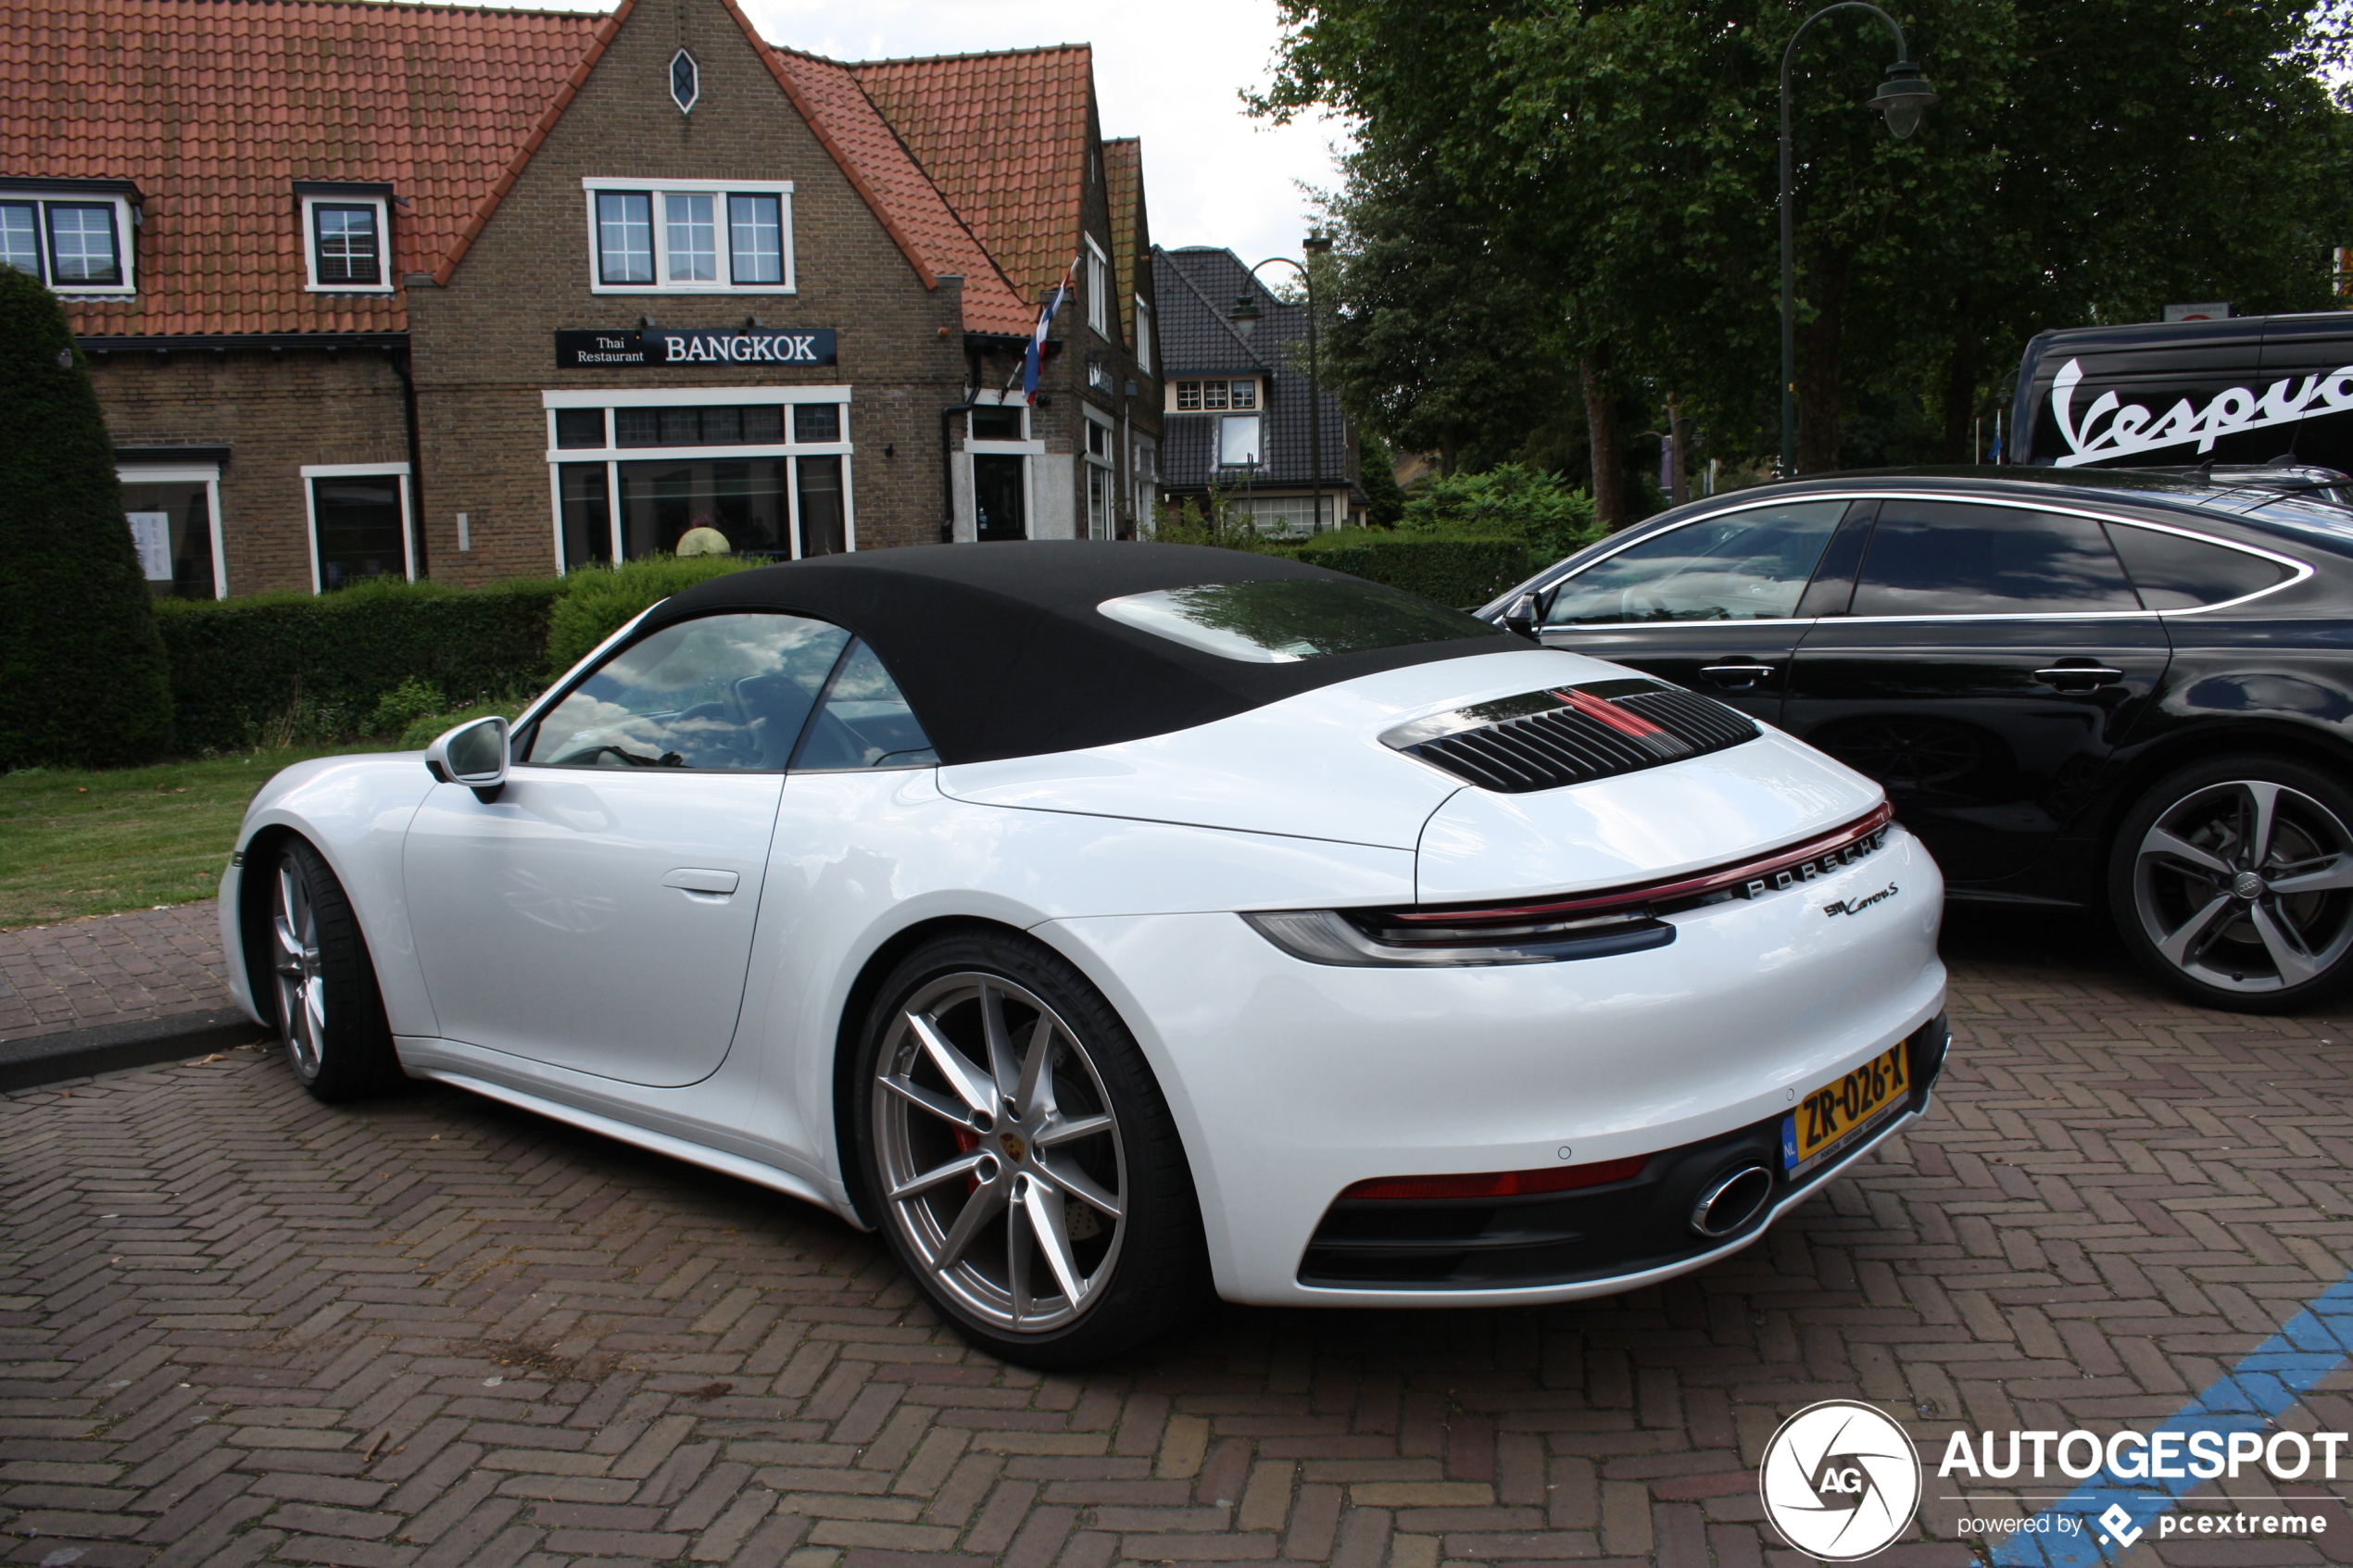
(1903, 98)
(1316, 243)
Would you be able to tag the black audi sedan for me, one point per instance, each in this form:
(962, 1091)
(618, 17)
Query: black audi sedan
(2111, 688)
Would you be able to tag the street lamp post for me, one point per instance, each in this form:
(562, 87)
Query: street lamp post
(1315, 244)
(1901, 100)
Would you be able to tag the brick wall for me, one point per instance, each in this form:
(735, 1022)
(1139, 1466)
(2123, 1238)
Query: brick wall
(484, 345)
(276, 412)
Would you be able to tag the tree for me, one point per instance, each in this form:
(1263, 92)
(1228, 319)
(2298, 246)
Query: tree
(83, 679)
(2088, 160)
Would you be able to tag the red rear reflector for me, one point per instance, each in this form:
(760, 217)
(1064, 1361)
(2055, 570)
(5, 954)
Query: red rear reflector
(1624, 720)
(1502, 1183)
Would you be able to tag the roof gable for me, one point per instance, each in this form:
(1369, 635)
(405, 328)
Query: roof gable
(838, 109)
(216, 114)
(1004, 138)
(1195, 336)
(1124, 191)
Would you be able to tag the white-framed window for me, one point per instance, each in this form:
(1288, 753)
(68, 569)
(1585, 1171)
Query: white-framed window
(1280, 514)
(346, 243)
(1144, 334)
(1212, 396)
(1238, 442)
(996, 502)
(763, 470)
(173, 510)
(1099, 291)
(690, 236)
(1100, 444)
(77, 242)
(359, 516)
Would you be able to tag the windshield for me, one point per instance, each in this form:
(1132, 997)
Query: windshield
(1283, 620)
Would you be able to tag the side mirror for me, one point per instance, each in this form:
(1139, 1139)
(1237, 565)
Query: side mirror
(473, 755)
(1521, 617)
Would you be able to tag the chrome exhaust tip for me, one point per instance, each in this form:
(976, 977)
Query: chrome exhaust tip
(1732, 1203)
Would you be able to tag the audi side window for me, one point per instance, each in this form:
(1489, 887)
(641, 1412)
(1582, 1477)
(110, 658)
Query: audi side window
(1942, 557)
(726, 692)
(865, 722)
(1748, 565)
(2173, 573)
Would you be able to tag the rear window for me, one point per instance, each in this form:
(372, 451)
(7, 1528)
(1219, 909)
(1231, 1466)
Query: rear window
(1935, 557)
(1285, 621)
(2175, 572)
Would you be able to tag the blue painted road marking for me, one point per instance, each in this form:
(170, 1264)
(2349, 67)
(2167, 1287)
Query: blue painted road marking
(2248, 1397)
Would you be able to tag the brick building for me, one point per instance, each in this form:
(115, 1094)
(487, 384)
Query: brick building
(1241, 419)
(429, 290)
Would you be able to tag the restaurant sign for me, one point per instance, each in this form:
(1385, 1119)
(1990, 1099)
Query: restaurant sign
(671, 346)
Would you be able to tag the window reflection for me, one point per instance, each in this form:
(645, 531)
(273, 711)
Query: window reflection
(1749, 565)
(1928, 558)
(723, 692)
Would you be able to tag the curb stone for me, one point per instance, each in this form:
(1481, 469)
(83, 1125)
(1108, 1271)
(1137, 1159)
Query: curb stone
(108, 1047)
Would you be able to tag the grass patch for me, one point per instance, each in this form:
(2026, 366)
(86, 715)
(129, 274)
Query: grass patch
(76, 842)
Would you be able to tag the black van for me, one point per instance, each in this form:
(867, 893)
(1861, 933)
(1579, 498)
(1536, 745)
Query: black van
(2245, 390)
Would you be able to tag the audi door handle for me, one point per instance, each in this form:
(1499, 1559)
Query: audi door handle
(1738, 677)
(2099, 675)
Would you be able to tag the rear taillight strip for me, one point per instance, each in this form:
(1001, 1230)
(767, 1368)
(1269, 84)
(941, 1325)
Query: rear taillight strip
(1783, 867)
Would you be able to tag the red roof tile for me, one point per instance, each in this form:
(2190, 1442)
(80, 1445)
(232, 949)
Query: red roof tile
(1123, 192)
(840, 110)
(216, 106)
(1004, 138)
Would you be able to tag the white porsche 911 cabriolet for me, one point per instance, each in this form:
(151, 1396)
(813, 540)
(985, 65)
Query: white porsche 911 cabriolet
(1111, 923)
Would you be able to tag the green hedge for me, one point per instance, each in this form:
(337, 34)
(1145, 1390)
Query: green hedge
(598, 602)
(284, 668)
(1465, 572)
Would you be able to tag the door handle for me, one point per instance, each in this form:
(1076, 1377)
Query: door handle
(1737, 677)
(691, 879)
(2063, 675)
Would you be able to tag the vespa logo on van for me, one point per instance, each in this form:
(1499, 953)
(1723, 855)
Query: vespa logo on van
(2128, 428)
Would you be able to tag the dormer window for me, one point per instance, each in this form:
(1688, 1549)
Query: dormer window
(346, 233)
(690, 236)
(74, 236)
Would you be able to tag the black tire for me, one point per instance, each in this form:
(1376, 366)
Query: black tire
(331, 1016)
(2192, 879)
(967, 1238)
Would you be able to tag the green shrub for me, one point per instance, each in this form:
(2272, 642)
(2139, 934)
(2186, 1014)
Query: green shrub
(297, 668)
(405, 704)
(598, 601)
(81, 674)
(1465, 572)
(1509, 502)
(427, 728)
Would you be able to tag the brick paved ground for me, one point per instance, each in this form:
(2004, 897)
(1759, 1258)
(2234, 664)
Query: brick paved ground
(436, 1332)
(110, 969)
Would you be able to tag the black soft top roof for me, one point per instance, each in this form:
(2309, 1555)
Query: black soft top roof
(1001, 653)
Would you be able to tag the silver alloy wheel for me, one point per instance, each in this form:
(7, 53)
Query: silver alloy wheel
(302, 987)
(999, 1154)
(2246, 886)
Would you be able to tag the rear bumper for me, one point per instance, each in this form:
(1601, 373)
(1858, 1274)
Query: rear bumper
(1290, 1080)
(1640, 1226)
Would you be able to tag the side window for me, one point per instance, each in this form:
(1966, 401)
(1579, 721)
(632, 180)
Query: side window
(865, 723)
(1748, 565)
(1948, 558)
(2173, 573)
(723, 692)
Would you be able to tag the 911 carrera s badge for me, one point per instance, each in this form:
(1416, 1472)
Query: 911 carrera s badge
(1857, 905)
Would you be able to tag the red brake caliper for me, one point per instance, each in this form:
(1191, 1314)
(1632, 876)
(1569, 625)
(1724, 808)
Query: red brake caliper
(966, 1141)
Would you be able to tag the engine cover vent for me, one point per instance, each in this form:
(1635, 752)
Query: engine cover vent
(1572, 734)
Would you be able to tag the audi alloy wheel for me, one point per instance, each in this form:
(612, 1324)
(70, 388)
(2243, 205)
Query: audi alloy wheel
(2233, 882)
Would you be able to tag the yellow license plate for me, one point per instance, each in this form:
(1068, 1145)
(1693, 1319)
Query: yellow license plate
(1844, 1107)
